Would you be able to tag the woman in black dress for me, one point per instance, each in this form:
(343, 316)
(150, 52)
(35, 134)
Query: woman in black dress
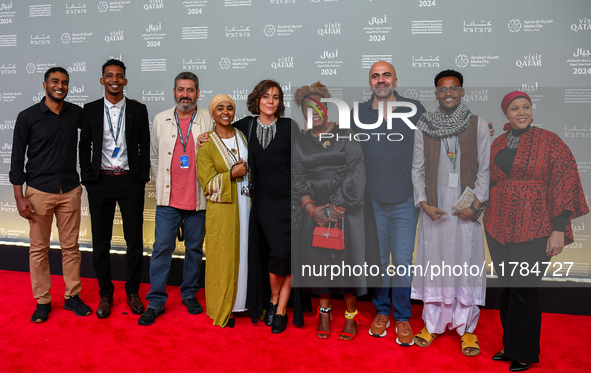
(329, 182)
(270, 139)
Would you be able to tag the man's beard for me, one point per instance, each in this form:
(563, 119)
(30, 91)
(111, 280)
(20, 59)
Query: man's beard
(185, 107)
(382, 89)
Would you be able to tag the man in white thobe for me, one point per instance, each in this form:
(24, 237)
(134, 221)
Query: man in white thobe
(451, 153)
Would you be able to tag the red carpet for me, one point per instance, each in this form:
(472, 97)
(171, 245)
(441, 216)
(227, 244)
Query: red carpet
(179, 342)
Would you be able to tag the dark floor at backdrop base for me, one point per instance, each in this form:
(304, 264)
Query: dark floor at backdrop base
(568, 298)
(179, 342)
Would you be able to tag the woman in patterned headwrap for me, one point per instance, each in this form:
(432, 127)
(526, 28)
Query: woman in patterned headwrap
(223, 174)
(535, 192)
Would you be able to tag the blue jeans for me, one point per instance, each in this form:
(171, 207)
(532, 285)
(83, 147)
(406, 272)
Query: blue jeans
(397, 224)
(168, 221)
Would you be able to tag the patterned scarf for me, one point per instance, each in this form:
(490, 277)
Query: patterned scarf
(438, 125)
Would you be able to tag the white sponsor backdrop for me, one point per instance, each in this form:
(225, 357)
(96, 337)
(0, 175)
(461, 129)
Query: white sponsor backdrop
(540, 46)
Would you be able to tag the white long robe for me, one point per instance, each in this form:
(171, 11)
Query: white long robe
(243, 214)
(450, 241)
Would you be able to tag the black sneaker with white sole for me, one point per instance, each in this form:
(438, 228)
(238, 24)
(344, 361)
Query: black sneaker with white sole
(149, 317)
(193, 306)
(76, 305)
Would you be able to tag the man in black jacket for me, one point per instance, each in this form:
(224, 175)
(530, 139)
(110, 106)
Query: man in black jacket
(115, 165)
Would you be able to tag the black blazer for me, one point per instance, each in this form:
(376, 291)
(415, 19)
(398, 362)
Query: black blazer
(137, 137)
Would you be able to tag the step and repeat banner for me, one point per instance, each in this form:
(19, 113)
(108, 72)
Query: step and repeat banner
(542, 47)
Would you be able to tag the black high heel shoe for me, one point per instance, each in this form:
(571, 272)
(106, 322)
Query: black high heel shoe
(270, 313)
(500, 356)
(516, 366)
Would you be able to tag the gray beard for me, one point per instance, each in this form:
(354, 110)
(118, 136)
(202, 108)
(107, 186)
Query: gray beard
(186, 109)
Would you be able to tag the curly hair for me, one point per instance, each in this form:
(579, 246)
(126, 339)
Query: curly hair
(313, 89)
(449, 73)
(259, 91)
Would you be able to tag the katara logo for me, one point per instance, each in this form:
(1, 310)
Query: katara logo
(225, 63)
(269, 30)
(514, 25)
(411, 93)
(66, 38)
(462, 60)
(103, 6)
(30, 68)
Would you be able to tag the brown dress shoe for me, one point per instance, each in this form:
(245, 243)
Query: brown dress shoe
(136, 305)
(104, 309)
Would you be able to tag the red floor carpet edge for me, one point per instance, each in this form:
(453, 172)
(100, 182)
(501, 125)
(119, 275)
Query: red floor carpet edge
(179, 342)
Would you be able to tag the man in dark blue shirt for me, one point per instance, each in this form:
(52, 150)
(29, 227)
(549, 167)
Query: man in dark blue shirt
(47, 133)
(388, 163)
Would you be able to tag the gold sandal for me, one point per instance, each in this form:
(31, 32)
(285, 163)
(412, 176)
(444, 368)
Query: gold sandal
(470, 340)
(425, 336)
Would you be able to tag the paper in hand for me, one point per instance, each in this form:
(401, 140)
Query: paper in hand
(465, 199)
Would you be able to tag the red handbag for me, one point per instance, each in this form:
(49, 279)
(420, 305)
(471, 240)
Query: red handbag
(329, 238)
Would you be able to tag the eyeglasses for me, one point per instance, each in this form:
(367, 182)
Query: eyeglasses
(452, 89)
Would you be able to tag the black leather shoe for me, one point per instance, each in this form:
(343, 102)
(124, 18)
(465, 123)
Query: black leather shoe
(269, 313)
(104, 309)
(500, 356)
(279, 324)
(516, 366)
(149, 317)
(135, 304)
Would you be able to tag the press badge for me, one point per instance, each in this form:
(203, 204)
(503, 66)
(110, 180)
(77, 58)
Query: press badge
(453, 179)
(115, 152)
(184, 161)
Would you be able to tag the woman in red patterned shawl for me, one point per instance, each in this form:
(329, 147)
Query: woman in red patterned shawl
(535, 192)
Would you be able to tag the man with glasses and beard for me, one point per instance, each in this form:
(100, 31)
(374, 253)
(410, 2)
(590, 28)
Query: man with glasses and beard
(179, 197)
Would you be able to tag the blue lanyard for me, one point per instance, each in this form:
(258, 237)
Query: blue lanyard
(178, 127)
(453, 155)
(111, 124)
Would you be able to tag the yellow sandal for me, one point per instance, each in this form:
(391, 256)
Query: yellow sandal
(426, 336)
(470, 340)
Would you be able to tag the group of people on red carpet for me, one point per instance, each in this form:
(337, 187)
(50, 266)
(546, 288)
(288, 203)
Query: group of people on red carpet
(268, 199)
